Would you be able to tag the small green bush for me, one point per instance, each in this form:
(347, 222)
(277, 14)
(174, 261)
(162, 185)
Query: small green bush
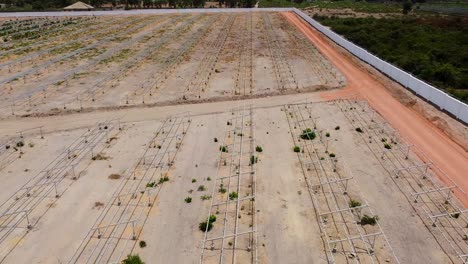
(215, 139)
(201, 188)
(222, 189)
(332, 155)
(151, 184)
(297, 149)
(359, 130)
(132, 259)
(20, 144)
(259, 149)
(163, 179)
(308, 134)
(327, 134)
(337, 128)
(205, 197)
(354, 203)
(387, 146)
(208, 179)
(233, 195)
(223, 148)
(142, 243)
(194, 180)
(207, 225)
(369, 220)
(188, 200)
(253, 160)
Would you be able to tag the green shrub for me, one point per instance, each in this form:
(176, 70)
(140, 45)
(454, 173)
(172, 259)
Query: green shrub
(253, 160)
(297, 149)
(20, 144)
(222, 189)
(354, 203)
(142, 243)
(215, 140)
(387, 146)
(308, 134)
(132, 259)
(207, 225)
(163, 179)
(359, 130)
(327, 134)
(205, 197)
(151, 184)
(369, 220)
(194, 180)
(223, 148)
(233, 195)
(259, 149)
(188, 200)
(332, 155)
(201, 188)
(337, 128)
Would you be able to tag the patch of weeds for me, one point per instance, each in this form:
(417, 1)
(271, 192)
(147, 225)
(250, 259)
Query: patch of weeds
(223, 148)
(201, 188)
(308, 134)
(188, 199)
(151, 184)
(208, 179)
(31, 145)
(194, 180)
(215, 140)
(369, 220)
(132, 259)
(142, 243)
(327, 134)
(222, 189)
(233, 195)
(20, 144)
(205, 197)
(332, 155)
(253, 160)
(387, 146)
(163, 179)
(359, 130)
(337, 128)
(354, 203)
(297, 149)
(207, 225)
(259, 149)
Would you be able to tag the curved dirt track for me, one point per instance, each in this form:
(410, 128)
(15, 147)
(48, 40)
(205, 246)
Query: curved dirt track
(438, 147)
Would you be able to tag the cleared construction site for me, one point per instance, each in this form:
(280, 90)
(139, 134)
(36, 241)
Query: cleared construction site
(217, 137)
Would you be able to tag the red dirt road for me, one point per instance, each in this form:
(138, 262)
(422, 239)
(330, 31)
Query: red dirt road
(438, 147)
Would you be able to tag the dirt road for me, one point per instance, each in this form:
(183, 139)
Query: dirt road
(443, 152)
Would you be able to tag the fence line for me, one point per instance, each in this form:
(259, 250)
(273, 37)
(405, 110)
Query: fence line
(435, 96)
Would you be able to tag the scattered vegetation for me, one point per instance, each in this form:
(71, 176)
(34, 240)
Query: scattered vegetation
(253, 159)
(354, 203)
(308, 134)
(233, 195)
(142, 243)
(163, 179)
(259, 149)
(332, 155)
(222, 189)
(99, 156)
(369, 220)
(194, 180)
(223, 148)
(297, 149)
(132, 259)
(327, 134)
(20, 144)
(215, 139)
(188, 199)
(207, 225)
(151, 184)
(337, 128)
(205, 197)
(201, 188)
(359, 130)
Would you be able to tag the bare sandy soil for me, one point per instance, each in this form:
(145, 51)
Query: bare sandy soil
(216, 106)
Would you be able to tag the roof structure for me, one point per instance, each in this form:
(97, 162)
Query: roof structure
(79, 6)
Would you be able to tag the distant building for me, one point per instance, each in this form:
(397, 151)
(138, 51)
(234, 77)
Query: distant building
(78, 6)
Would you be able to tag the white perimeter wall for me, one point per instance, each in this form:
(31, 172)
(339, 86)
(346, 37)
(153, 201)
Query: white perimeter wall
(426, 91)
